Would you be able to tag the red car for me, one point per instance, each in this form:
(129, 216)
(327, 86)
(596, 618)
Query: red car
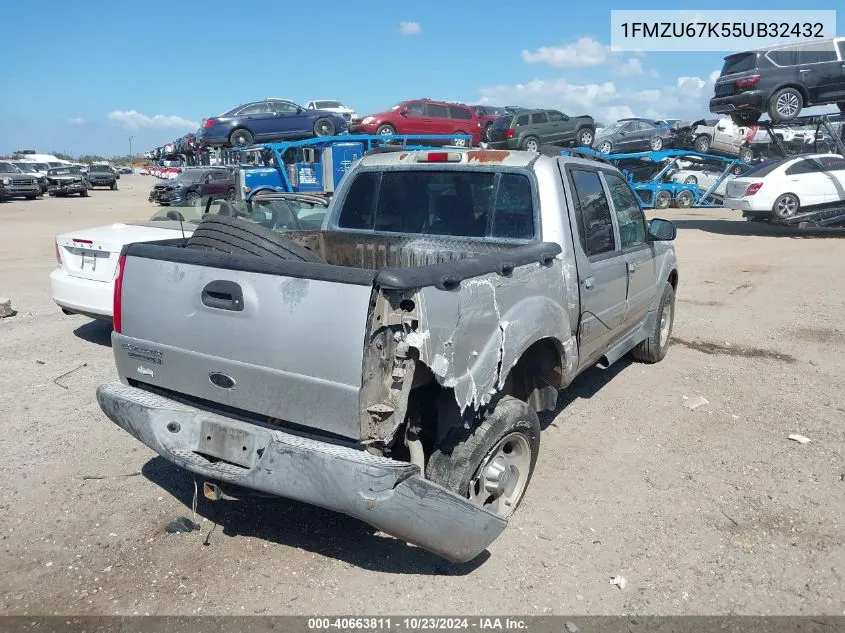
(422, 116)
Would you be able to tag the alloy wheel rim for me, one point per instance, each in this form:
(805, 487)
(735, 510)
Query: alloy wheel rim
(587, 139)
(503, 475)
(665, 324)
(531, 146)
(787, 104)
(604, 148)
(787, 206)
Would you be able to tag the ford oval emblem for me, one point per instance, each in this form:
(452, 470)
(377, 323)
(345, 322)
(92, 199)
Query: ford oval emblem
(221, 380)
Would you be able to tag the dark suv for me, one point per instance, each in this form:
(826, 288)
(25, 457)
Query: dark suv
(529, 130)
(195, 183)
(780, 80)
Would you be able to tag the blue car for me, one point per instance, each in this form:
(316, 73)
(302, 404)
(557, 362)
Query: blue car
(268, 120)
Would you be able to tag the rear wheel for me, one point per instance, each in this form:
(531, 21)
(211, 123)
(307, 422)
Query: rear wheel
(585, 137)
(684, 199)
(786, 206)
(785, 105)
(457, 141)
(240, 138)
(654, 348)
(230, 194)
(487, 132)
(662, 199)
(233, 235)
(656, 144)
(746, 155)
(531, 144)
(385, 130)
(605, 147)
(492, 464)
(702, 144)
(324, 127)
(691, 180)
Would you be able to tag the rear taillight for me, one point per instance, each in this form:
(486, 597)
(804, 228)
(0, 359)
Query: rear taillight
(58, 254)
(118, 292)
(510, 133)
(753, 188)
(748, 82)
(208, 123)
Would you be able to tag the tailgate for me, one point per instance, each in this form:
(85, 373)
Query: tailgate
(274, 338)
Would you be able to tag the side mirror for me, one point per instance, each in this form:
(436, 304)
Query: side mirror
(661, 230)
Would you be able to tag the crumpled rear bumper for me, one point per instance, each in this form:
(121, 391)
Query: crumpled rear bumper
(388, 494)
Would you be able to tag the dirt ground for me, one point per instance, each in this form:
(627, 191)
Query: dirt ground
(704, 511)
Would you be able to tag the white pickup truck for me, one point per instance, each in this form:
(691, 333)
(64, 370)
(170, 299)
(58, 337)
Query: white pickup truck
(391, 365)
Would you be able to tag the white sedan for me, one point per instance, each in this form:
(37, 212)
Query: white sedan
(83, 282)
(785, 187)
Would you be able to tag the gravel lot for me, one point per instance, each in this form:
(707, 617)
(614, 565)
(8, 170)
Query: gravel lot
(704, 511)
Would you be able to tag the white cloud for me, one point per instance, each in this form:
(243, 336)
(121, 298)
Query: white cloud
(133, 120)
(585, 52)
(714, 76)
(78, 120)
(410, 28)
(631, 68)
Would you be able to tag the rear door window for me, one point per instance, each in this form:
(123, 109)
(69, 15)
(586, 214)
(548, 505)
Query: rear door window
(455, 203)
(805, 166)
(437, 110)
(256, 108)
(539, 117)
(592, 210)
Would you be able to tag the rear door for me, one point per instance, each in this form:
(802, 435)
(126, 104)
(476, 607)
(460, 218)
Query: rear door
(602, 273)
(259, 118)
(542, 128)
(639, 255)
(436, 119)
(808, 179)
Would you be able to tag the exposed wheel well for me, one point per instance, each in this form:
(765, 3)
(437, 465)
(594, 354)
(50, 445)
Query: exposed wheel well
(673, 279)
(804, 94)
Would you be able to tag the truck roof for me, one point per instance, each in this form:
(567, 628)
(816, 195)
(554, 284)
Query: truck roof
(456, 156)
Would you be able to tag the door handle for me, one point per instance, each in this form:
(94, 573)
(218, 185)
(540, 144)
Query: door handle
(223, 295)
(589, 282)
(805, 70)
(632, 266)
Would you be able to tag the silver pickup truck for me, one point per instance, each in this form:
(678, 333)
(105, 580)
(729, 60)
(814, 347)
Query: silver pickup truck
(391, 365)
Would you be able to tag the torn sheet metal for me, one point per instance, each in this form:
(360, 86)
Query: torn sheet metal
(478, 331)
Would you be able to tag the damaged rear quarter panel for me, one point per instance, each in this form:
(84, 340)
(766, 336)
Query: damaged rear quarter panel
(478, 331)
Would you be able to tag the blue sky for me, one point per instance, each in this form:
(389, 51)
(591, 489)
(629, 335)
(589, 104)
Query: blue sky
(82, 76)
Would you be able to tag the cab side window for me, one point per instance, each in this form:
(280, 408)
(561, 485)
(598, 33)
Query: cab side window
(629, 215)
(592, 210)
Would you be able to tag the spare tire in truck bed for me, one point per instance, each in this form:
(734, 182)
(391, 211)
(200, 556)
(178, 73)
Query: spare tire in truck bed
(241, 237)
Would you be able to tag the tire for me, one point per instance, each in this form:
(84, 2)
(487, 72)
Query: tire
(33, 197)
(654, 348)
(785, 105)
(240, 138)
(324, 127)
(462, 460)
(746, 155)
(702, 144)
(684, 199)
(531, 144)
(113, 186)
(656, 144)
(230, 194)
(662, 199)
(83, 193)
(744, 119)
(486, 134)
(192, 195)
(460, 142)
(786, 206)
(240, 237)
(691, 180)
(385, 129)
(605, 147)
(586, 137)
